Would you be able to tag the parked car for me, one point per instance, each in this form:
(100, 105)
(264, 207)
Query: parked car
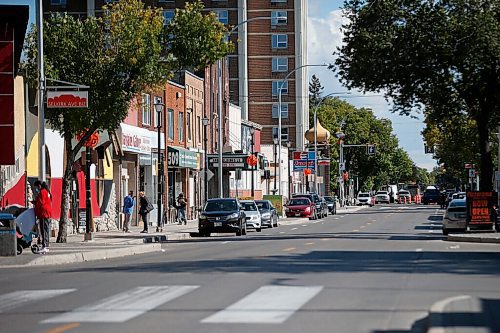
(382, 196)
(455, 217)
(301, 207)
(430, 196)
(321, 206)
(459, 195)
(364, 198)
(222, 216)
(268, 213)
(252, 213)
(404, 196)
(331, 203)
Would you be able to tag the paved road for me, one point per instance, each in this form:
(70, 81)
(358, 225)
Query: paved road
(377, 270)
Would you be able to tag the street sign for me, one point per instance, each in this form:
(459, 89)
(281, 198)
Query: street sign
(469, 166)
(67, 99)
(429, 149)
(371, 149)
(299, 165)
(323, 162)
(472, 173)
(303, 155)
(210, 174)
(342, 166)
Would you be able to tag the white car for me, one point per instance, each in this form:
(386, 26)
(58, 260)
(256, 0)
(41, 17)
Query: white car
(364, 198)
(455, 218)
(404, 196)
(254, 219)
(382, 196)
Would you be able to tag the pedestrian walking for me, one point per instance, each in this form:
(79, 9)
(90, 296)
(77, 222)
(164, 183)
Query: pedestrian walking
(145, 207)
(181, 209)
(128, 208)
(43, 211)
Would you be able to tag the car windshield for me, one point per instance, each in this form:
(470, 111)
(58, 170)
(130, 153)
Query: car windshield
(299, 202)
(381, 192)
(431, 191)
(249, 206)
(262, 205)
(223, 205)
(363, 195)
(329, 199)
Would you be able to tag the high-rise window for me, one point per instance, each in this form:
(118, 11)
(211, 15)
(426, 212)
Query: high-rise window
(168, 15)
(223, 16)
(279, 17)
(284, 110)
(189, 125)
(284, 133)
(146, 109)
(181, 126)
(170, 124)
(280, 64)
(279, 41)
(284, 88)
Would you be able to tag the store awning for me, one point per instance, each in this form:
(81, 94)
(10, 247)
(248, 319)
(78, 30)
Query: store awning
(182, 158)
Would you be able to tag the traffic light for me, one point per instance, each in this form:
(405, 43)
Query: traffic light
(371, 149)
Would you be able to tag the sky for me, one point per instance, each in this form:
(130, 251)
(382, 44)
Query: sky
(325, 19)
(323, 37)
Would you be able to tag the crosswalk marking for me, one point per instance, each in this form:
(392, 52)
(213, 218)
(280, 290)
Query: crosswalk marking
(21, 297)
(124, 306)
(266, 305)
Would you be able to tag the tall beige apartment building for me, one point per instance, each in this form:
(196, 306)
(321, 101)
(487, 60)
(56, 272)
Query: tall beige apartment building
(267, 50)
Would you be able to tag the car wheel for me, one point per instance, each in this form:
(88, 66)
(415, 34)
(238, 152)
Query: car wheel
(445, 231)
(19, 249)
(258, 229)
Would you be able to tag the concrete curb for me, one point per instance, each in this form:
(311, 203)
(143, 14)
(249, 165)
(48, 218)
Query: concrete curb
(473, 239)
(78, 257)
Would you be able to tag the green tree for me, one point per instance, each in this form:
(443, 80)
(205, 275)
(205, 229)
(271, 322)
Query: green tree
(315, 89)
(196, 39)
(439, 55)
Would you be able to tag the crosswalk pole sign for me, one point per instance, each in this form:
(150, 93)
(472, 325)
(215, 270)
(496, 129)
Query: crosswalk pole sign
(371, 149)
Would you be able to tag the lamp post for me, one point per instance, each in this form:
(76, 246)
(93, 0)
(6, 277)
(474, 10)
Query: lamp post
(252, 142)
(280, 87)
(205, 121)
(290, 183)
(159, 112)
(276, 142)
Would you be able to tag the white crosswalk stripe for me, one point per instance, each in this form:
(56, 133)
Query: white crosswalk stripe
(124, 306)
(18, 298)
(266, 305)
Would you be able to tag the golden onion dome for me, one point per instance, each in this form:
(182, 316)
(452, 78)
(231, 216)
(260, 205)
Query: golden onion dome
(322, 134)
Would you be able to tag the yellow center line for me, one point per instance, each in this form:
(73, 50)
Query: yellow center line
(63, 328)
(289, 249)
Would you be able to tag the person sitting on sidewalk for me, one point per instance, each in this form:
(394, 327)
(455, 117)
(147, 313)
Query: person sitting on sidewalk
(181, 209)
(43, 211)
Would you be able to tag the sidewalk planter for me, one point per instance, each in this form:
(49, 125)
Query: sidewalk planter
(8, 244)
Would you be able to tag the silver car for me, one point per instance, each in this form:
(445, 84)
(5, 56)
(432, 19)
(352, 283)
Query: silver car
(254, 219)
(455, 217)
(382, 196)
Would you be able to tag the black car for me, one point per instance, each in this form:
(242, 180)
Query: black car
(321, 206)
(268, 213)
(221, 216)
(331, 202)
(431, 196)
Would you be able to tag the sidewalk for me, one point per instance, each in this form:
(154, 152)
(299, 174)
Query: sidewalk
(106, 244)
(464, 314)
(476, 237)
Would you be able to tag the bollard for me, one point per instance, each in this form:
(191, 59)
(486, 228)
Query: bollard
(8, 241)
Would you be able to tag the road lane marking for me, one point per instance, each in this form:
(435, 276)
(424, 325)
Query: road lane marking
(294, 228)
(282, 232)
(266, 305)
(419, 250)
(362, 227)
(63, 328)
(21, 297)
(309, 243)
(226, 242)
(124, 306)
(355, 230)
(289, 249)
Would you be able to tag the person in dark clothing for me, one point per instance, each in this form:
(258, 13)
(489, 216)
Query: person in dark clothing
(144, 209)
(181, 209)
(442, 200)
(43, 211)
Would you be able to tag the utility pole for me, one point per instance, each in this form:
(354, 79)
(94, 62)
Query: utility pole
(219, 104)
(41, 94)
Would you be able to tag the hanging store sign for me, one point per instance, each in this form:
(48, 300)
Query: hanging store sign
(136, 139)
(67, 99)
(182, 158)
(231, 162)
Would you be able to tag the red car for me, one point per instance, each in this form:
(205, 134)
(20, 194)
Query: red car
(300, 207)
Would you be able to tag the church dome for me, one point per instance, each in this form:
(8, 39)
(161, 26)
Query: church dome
(322, 133)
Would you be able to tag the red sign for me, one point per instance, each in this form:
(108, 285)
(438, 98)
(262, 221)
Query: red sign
(92, 141)
(67, 99)
(252, 160)
(469, 166)
(323, 162)
(480, 208)
(307, 172)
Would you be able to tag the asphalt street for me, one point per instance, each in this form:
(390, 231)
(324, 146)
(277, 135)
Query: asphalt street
(376, 270)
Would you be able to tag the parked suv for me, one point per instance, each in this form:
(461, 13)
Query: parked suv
(382, 196)
(222, 215)
(321, 206)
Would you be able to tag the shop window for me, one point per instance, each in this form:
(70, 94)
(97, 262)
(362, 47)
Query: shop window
(146, 109)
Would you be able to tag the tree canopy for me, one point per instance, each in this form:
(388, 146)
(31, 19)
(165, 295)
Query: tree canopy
(439, 56)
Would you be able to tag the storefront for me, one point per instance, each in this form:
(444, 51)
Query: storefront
(183, 177)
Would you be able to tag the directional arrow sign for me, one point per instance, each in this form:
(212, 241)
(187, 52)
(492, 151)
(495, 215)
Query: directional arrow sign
(210, 174)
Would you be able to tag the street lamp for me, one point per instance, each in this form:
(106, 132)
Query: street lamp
(159, 111)
(276, 142)
(280, 86)
(205, 121)
(290, 183)
(252, 142)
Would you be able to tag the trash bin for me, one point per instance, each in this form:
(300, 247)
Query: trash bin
(8, 243)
